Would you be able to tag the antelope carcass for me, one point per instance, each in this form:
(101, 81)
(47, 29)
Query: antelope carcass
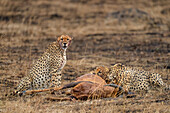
(88, 86)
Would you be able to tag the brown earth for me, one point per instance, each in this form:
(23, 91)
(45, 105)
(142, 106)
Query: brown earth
(105, 32)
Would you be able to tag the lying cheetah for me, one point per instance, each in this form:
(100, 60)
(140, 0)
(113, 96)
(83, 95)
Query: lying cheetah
(131, 79)
(46, 72)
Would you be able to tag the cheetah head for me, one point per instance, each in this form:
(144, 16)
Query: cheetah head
(102, 71)
(64, 41)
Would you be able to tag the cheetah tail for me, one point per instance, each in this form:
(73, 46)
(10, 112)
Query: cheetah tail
(13, 93)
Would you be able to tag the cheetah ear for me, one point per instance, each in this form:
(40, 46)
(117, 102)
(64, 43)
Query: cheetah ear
(70, 37)
(58, 38)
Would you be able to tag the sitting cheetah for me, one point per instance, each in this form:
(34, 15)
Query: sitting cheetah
(131, 79)
(46, 72)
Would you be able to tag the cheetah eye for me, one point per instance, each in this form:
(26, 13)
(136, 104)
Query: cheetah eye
(62, 39)
(67, 39)
(99, 72)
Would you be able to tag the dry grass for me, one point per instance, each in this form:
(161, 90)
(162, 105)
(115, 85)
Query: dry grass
(135, 33)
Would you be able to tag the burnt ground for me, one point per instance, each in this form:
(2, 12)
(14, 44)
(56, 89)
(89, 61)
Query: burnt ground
(105, 32)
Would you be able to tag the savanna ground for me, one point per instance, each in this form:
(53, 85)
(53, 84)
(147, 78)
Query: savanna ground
(133, 32)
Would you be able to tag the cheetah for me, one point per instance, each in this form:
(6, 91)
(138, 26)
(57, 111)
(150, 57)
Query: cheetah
(131, 79)
(46, 72)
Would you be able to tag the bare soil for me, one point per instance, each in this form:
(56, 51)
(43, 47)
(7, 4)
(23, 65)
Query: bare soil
(133, 32)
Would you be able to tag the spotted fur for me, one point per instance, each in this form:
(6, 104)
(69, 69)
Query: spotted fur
(46, 72)
(131, 79)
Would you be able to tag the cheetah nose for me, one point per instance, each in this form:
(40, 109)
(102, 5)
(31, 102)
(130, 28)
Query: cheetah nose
(65, 44)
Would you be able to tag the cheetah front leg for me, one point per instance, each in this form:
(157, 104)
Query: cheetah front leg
(56, 80)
